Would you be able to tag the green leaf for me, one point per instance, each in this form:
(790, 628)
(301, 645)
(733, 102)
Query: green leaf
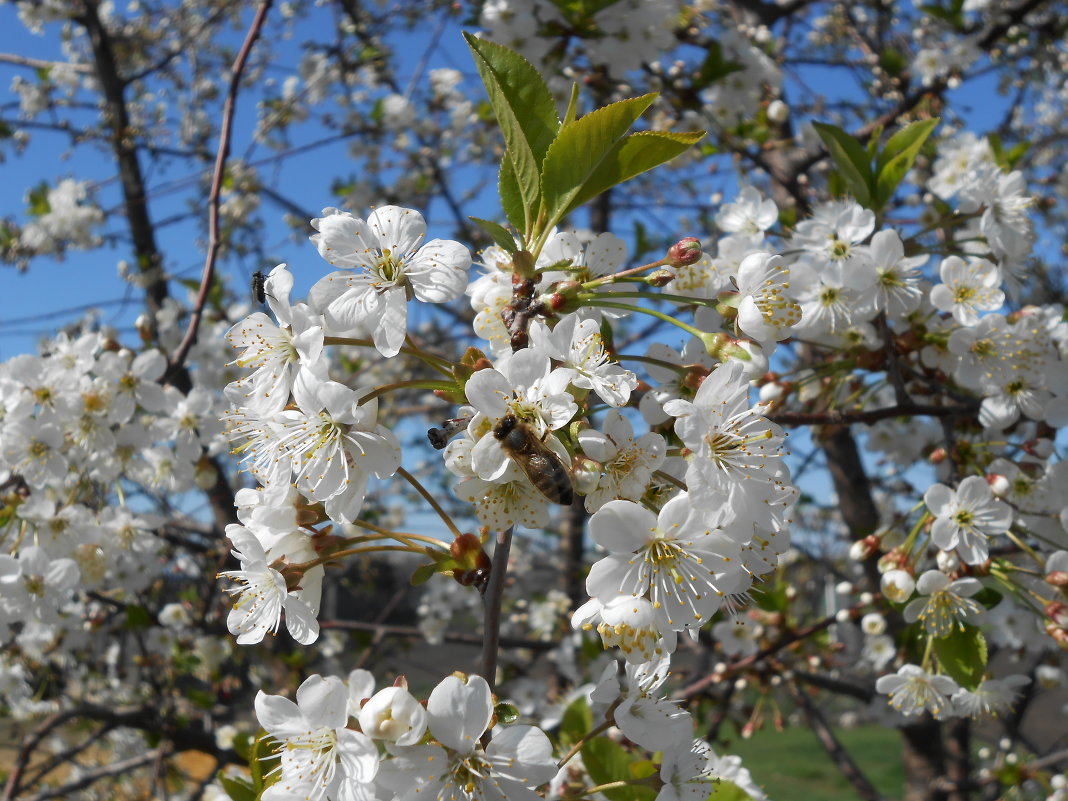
(572, 106)
(724, 790)
(423, 574)
(526, 113)
(262, 763)
(576, 722)
(962, 656)
(632, 156)
(237, 788)
(137, 617)
(37, 198)
(637, 153)
(892, 61)
(511, 199)
(580, 148)
(606, 762)
(899, 155)
(715, 67)
(851, 159)
(498, 233)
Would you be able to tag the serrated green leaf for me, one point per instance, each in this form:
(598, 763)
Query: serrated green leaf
(498, 233)
(512, 200)
(962, 656)
(237, 788)
(635, 154)
(850, 158)
(525, 111)
(576, 723)
(606, 762)
(579, 150)
(898, 157)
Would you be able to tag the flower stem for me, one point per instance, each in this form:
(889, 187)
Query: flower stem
(402, 536)
(585, 738)
(430, 499)
(685, 300)
(436, 362)
(670, 479)
(667, 318)
(608, 279)
(678, 368)
(420, 383)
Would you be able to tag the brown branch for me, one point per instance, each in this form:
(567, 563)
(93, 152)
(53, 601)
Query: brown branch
(146, 251)
(413, 632)
(225, 133)
(784, 640)
(492, 600)
(841, 758)
(836, 417)
(41, 64)
(92, 776)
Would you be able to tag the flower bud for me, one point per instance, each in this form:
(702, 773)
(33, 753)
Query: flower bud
(1058, 578)
(948, 561)
(778, 111)
(999, 484)
(585, 472)
(395, 715)
(684, 252)
(897, 585)
(661, 277)
(873, 623)
(864, 548)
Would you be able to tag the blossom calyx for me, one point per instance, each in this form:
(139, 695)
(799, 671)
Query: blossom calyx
(685, 252)
(472, 565)
(561, 297)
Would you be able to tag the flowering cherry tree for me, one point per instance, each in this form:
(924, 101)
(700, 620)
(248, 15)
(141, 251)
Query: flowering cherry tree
(575, 433)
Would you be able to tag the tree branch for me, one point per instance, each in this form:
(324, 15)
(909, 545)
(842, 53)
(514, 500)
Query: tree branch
(225, 133)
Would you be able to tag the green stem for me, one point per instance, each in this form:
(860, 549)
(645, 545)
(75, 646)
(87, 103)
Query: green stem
(322, 560)
(667, 318)
(417, 383)
(429, 359)
(685, 300)
(430, 499)
(401, 536)
(678, 368)
(585, 738)
(608, 279)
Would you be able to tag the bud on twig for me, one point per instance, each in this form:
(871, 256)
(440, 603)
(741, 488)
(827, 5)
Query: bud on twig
(684, 252)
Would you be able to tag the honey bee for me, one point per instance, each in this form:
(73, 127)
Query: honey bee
(544, 468)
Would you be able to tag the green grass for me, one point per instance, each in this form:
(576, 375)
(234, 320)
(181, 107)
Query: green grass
(793, 765)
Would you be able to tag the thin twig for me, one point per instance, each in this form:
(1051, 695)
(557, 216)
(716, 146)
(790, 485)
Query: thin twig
(841, 758)
(492, 600)
(216, 185)
(836, 417)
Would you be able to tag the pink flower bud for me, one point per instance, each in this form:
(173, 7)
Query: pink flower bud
(684, 252)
